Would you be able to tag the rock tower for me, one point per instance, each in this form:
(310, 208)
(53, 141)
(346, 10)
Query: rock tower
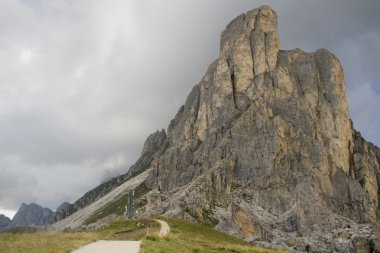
(264, 146)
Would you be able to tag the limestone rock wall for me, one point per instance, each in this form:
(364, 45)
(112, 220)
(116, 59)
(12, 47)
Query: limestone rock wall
(266, 137)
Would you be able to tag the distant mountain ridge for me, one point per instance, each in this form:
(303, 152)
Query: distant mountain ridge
(4, 222)
(32, 215)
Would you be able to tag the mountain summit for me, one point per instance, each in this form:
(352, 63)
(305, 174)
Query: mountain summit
(4, 222)
(31, 215)
(264, 149)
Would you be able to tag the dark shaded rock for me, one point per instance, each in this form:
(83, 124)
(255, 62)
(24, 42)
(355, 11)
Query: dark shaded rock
(361, 245)
(375, 245)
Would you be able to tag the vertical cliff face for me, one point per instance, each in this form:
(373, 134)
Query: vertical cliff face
(264, 142)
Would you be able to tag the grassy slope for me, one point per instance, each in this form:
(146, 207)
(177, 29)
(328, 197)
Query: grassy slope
(65, 242)
(44, 243)
(186, 237)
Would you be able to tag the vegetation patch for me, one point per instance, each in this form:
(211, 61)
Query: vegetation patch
(129, 229)
(22, 230)
(117, 206)
(57, 242)
(141, 190)
(186, 237)
(208, 218)
(153, 237)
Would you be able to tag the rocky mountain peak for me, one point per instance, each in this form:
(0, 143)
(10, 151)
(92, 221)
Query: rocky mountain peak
(31, 215)
(154, 142)
(264, 146)
(23, 206)
(4, 222)
(62, 206)
(251, 43)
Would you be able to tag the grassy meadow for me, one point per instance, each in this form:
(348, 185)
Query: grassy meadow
(65, 242)
(184, 237)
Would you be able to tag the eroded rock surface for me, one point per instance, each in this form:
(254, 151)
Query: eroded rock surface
(264, 148)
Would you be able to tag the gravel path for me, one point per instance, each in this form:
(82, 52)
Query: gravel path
(110, 247)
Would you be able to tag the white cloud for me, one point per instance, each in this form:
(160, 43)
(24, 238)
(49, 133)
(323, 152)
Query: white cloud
(8, 213)
(26, 56)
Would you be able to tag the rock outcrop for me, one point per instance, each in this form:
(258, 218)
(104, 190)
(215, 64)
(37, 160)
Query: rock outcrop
(264, 148)
(31, 215)
(152, 144)
(4, 222)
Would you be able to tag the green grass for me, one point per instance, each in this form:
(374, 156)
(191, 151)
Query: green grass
(186, 237)
(65, 242)
(45, 242)
(129, 230)
(22, 230)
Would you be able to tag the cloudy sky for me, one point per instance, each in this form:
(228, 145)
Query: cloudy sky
(83, 82)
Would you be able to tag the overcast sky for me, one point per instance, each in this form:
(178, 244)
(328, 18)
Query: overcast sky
(84, 82)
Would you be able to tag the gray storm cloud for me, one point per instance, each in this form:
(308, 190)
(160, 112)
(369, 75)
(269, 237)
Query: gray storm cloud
(82, 83)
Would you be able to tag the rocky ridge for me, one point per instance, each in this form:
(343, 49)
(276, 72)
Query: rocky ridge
(31, 215)
(264, 148)
(4, 222)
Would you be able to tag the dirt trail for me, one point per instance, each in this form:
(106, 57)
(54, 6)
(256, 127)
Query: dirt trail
(164, 230)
